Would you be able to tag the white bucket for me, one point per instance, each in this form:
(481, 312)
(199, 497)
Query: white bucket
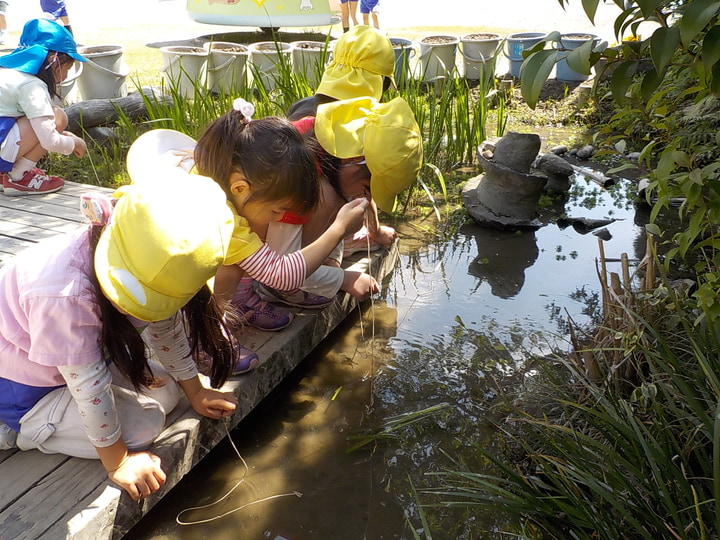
(404, 51)
(479, 51)
(437, 57)
(104, 73)
(66, 90)
(227, 67)
(266, 57)
(309, 58)
(185, 68)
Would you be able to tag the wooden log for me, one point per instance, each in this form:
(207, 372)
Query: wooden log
(100, 112)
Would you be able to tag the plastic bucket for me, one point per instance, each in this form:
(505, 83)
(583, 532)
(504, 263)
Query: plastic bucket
(185, 68)
(66, 90)
(437, 57)
(309, 59)
(478, 51)
(569, 42)
(226, 67)
(403, 53)
(515, 44)
(104, 73)
(266, 57)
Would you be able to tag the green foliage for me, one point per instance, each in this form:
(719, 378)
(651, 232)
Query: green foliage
(603, 461)
(665, 87)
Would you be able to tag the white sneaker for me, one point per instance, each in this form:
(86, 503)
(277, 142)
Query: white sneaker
(7, 437)
(2, 37)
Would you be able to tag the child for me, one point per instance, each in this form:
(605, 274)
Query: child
(348, 10)
(367, 150)
(30, 126)
(74, 373)
(56, 10)
(265, 168)
(368, 7)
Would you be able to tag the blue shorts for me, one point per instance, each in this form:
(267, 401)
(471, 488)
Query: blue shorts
(56, 8)
(6, 124)
(346, 1)
(368, 6)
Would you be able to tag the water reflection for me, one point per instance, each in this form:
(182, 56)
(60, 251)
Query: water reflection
(502, 257)
(457, 324)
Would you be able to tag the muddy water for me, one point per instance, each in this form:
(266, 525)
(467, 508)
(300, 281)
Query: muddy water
(458, 320)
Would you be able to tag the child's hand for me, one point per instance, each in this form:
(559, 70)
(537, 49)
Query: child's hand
(213, 403)
(359, 284)
(139, 474)
(80, 144)
(384, 235)
(352, 215)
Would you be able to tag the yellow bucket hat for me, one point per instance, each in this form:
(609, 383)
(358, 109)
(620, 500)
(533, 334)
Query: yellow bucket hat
(164, 241)
(386, 134)
(361, 58)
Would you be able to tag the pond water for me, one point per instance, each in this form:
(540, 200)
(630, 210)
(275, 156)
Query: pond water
(457, 321)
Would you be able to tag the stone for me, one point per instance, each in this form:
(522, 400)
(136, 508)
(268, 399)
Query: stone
(559, 150)
(517, 151)
(585, 152)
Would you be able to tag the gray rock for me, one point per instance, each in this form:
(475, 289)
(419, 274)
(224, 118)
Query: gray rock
(585, 152)
(517, 151)
(633, 156)
(559, 150)
(555, 166)
(573, 152)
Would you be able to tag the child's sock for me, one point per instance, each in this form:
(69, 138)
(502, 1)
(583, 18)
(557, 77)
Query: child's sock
(244, 290)
(20, 167)
(346, 29)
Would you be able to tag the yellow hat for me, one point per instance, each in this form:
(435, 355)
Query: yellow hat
(164, 241)
(361, 58)
(385, 133)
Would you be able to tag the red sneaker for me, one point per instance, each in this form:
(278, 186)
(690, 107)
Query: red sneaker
(33, 182)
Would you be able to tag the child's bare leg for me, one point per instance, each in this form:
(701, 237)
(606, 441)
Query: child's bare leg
(376, 23)
(353, 11)
(366, 19)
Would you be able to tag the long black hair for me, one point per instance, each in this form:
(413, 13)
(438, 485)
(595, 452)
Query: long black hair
(206, 325)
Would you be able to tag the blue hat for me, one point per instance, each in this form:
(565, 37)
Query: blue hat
(39, 37)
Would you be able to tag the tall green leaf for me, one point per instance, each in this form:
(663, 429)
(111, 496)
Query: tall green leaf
(579, 59)
(621, 79)
(711, 48)
(663, 44)
(590, 7)
(696, 16)
(534, 71)
(648, 7)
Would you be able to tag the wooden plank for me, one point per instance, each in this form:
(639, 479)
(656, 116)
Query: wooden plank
(91, 507)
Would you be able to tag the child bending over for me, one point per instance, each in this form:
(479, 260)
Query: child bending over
(75, 377)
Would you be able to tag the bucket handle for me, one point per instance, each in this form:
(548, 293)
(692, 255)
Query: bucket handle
(75, 76)
(225, 64)
(105, 70)
(480, 60)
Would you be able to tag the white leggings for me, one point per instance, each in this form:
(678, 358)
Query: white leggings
(54, 425)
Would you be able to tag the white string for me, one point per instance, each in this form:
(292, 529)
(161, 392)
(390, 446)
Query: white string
(245, 472)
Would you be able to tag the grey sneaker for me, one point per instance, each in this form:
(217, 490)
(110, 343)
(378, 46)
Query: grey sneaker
(7, 437)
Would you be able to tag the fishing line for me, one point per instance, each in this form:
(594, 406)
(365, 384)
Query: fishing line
(242, 479)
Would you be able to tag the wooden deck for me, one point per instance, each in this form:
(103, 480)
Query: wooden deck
(54, 496)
